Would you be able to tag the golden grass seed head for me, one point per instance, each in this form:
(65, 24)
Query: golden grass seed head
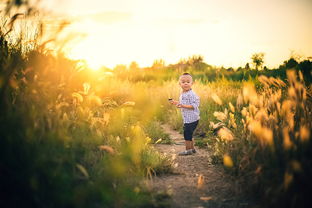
(288, 179)
(94, 100)
(295, 166)
(249, 93)
(304, 133)
(77, 96)
(220, 116)
(292, 78)
(86, 88)
(253, 109)
(216, 99)
(287, 143)
(231, 106)
(200, 181)
(264, 80)
(244, 111)
(225, 134)
(227, 161)
(239, 101)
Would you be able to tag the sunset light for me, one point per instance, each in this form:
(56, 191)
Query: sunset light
(225, 32)
(155, 103)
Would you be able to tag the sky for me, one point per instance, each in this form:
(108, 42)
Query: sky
(225, 32)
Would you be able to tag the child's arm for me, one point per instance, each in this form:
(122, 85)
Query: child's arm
(185, 106)
(176, 103)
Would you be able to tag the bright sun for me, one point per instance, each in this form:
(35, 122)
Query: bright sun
(112, 45)
(86, 50)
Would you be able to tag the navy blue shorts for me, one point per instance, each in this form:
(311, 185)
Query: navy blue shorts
(188, 130)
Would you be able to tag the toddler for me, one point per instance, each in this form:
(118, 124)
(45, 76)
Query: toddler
(189, 104)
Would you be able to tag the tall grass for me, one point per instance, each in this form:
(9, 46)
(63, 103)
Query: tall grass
(267, 142)
(65, 140)
(72, 137)
(271, 154)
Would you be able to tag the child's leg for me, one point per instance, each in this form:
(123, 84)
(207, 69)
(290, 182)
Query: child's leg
(188, 144)
(188, 134)
(193, 127)
(188, 137)
(192, 144)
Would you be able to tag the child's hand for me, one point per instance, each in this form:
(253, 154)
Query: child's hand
(174, 102)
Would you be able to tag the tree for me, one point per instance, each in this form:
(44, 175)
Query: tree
(134, 65)
(197, 62)
(120, 68)
(306, 68)
(158, 64)
(290, 63)
(257, 60)
(247, 67)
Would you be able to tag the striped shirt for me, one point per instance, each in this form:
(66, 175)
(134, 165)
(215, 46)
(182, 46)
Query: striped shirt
(189, 98)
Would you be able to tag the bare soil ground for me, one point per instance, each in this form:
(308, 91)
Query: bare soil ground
(195, 181)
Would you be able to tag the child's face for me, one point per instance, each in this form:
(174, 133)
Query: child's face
(186, 82)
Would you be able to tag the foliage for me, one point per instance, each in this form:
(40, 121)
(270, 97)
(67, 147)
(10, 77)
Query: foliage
(257, 60)
(271, 151)
(59, 146)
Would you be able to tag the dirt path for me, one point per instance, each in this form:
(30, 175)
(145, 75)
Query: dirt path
(195, 181)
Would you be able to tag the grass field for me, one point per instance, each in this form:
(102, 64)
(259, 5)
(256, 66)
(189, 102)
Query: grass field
(74, 137)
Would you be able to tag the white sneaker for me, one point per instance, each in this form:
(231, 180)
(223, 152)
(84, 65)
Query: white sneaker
(186, 152)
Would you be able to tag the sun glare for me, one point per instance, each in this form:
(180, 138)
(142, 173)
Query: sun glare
(112, 46)
(88, 52)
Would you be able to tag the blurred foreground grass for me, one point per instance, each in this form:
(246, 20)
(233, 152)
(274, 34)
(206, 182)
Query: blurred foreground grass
(66, 141)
